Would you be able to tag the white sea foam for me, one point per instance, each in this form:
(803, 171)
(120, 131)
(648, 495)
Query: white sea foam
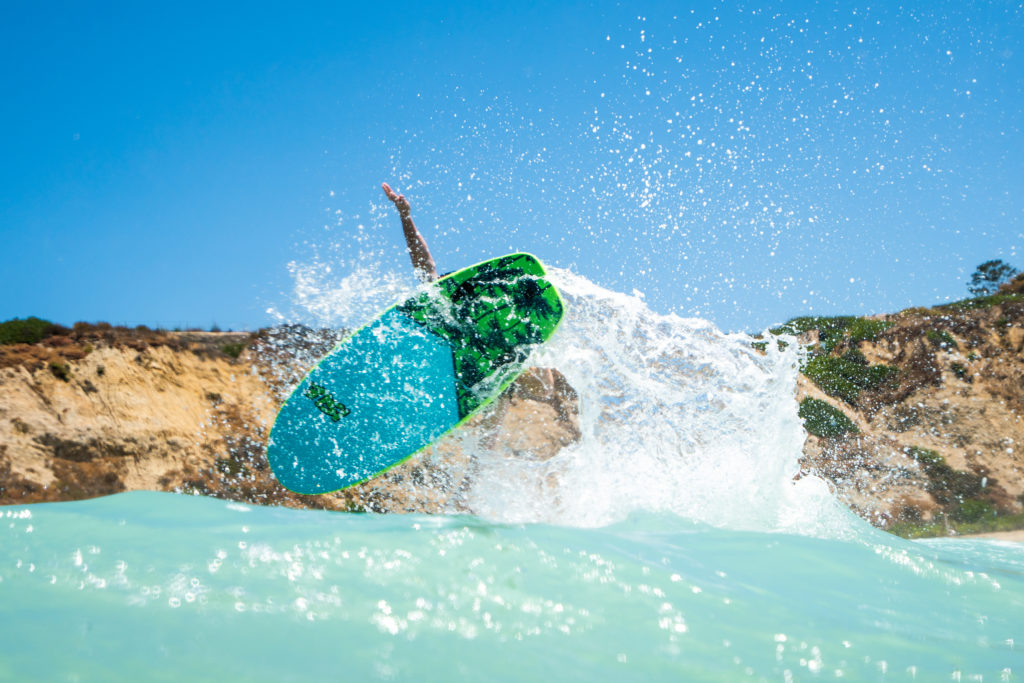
(675, 416)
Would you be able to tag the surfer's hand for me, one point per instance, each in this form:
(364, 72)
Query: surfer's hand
(401, 203)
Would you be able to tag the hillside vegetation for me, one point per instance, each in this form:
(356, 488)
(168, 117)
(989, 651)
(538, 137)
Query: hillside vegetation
(915, 417)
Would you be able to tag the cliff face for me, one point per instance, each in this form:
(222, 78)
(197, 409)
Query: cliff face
(913, 417)
(933, 400)
(88, 417)
(106, 410)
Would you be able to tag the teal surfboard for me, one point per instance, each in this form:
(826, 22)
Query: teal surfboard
(417, 371)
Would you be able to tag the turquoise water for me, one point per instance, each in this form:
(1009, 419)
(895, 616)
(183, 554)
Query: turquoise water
(673, 541)
(163, 586)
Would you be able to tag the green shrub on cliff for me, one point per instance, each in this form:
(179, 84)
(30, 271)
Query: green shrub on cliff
(959, 493)
(28, 331)
(974, 510)
(865, 329)
(831, 376)
(845, 378)
(960, 370)
(855, 356)
(941, 339)
(233, 349)
(61, 371)
(831, 330)
(926, 456)
(834, 329)
(822, 419)
(914, 529)
(945, 526)
(977, 303)
(945, 483)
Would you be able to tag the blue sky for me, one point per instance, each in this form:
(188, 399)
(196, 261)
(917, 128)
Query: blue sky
(742, 163)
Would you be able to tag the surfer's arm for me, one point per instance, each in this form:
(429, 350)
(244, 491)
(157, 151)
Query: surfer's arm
(422, 261)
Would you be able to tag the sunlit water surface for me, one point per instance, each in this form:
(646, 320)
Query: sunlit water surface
(144, 586)
(674, 541)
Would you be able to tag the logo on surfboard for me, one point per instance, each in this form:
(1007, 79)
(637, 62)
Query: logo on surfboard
(325, 403)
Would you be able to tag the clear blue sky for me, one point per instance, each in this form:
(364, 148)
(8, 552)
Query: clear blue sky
(163, 164)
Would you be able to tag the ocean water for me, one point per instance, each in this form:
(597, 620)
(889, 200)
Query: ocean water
(158, 586)
(674, 541)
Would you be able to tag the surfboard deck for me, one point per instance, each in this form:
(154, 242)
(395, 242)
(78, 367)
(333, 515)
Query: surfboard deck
(419, 370)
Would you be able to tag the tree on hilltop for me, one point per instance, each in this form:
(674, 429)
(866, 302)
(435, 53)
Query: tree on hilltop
(988, 276)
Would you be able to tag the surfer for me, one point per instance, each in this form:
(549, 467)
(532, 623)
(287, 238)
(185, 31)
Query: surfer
(525, 385)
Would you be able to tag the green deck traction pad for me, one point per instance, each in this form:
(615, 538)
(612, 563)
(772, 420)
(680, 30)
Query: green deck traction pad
(415, 373)
(492, 314)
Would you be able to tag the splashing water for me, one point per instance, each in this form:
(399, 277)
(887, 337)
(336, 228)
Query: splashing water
(675, 416)
(366, 288)
(673, 541)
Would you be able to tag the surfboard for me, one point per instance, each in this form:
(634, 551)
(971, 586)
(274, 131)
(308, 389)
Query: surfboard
(417, 371)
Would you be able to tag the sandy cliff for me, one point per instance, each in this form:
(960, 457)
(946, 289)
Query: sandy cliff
(914, 418)
(103, 410)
